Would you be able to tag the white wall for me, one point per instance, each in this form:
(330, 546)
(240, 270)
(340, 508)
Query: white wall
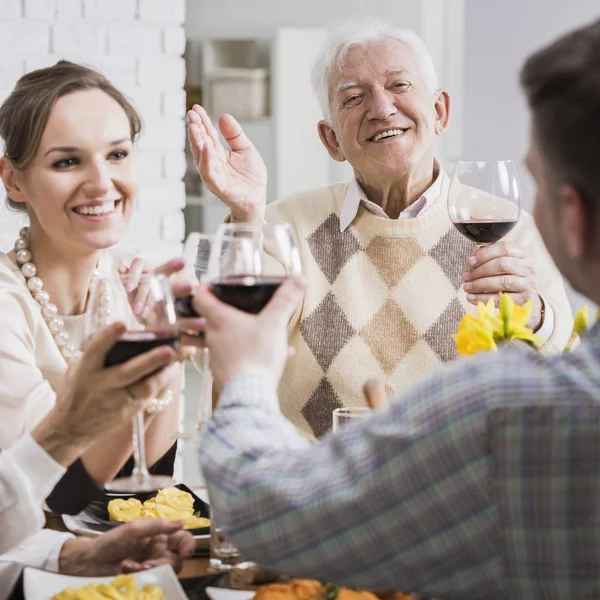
(260, 18)
(138, 44)
(499, 36)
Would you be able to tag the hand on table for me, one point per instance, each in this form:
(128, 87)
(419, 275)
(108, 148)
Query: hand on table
(128, 548)
(503, 267)
(238, 175)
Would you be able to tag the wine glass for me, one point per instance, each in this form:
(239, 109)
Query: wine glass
(110, 301)
(484, 200)
(196, 251)
(249, 262)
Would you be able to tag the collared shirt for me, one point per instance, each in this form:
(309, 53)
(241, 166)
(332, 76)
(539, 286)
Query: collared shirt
(356, 197)
(483, 481)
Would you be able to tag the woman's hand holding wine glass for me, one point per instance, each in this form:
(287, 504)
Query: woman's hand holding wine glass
(107, 297)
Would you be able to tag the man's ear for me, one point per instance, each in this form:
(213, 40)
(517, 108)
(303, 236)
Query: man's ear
(10, 180)
(442, 111)
(329, 139)
(574, 218)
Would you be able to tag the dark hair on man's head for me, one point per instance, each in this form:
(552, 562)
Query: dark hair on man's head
(562, 84)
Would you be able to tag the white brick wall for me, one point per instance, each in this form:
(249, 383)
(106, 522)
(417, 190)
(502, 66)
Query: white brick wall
(138, 44)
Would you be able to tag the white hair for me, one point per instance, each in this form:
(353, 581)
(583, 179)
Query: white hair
(347, 35)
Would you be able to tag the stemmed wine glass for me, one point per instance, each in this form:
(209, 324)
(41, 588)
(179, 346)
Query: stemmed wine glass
(246, 266)
(484, 200)
(109, 302)
(196, 251)
(249, 262)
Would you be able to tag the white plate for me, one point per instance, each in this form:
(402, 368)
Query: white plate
(227, 594)
(41, 585)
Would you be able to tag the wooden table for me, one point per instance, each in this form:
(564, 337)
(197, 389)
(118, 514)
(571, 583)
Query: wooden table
(192, 567)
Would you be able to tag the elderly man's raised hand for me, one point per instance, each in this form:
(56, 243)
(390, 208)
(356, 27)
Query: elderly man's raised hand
(503, 267)
(237, 175)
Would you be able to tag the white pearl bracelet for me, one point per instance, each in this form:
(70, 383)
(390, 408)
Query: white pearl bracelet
(157, 405)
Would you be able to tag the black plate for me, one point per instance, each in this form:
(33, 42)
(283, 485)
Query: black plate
(96, 516)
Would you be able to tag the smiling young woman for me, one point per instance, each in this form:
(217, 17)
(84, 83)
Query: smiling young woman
(69, 164)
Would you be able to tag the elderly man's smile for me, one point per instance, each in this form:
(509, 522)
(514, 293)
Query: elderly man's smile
(386, 135)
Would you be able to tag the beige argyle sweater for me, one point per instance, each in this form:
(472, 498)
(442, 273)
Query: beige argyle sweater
(383, 299)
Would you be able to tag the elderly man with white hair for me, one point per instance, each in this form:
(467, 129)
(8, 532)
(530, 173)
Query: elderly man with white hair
(389, 278)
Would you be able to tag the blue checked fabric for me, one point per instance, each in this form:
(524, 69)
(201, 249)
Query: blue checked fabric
(482, 481)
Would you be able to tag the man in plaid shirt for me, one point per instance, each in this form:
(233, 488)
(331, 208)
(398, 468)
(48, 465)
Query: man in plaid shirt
(483, 480)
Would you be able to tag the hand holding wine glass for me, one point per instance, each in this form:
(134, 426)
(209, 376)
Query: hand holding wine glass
(108, 297)
(484, 204)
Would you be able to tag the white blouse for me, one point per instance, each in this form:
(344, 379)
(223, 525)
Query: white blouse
(31, 365)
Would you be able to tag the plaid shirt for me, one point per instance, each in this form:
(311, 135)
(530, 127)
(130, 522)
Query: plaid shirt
(482, 481)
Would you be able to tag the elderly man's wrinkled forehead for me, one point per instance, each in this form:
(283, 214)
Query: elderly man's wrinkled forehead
(359, 64)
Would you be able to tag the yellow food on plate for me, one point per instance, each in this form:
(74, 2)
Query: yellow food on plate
(123, 587)
(169, 503)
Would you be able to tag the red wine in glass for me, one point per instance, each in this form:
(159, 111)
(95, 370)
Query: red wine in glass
(134, 343)
(485, 231)
(250, 293)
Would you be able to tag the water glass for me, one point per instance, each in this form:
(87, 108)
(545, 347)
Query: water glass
(224, 556)
(341, 416)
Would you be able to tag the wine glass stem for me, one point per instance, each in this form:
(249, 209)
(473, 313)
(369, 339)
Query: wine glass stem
(140, 470)
(205, 407)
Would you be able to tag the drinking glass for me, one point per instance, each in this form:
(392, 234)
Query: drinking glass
(224, 556)
(484, 200)
(109, 301)
(196, 251)
(246, 266)
(249, 262)
(342, 416)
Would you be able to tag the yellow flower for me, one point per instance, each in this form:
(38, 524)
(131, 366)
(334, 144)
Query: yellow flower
(474, 336)
(514, 321)
(580, 326)
(480, 333)
(582, 321)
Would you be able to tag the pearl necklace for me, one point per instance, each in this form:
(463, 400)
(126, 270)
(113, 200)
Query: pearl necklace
(35, 285)
(50, 312)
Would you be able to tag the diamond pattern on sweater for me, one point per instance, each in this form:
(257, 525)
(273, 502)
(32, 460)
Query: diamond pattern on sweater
(439, 335)
(318, 331)
(317, 411)
(451, 253)
(331, 248)
(393, 257)
(389, 335)
(424, 293)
